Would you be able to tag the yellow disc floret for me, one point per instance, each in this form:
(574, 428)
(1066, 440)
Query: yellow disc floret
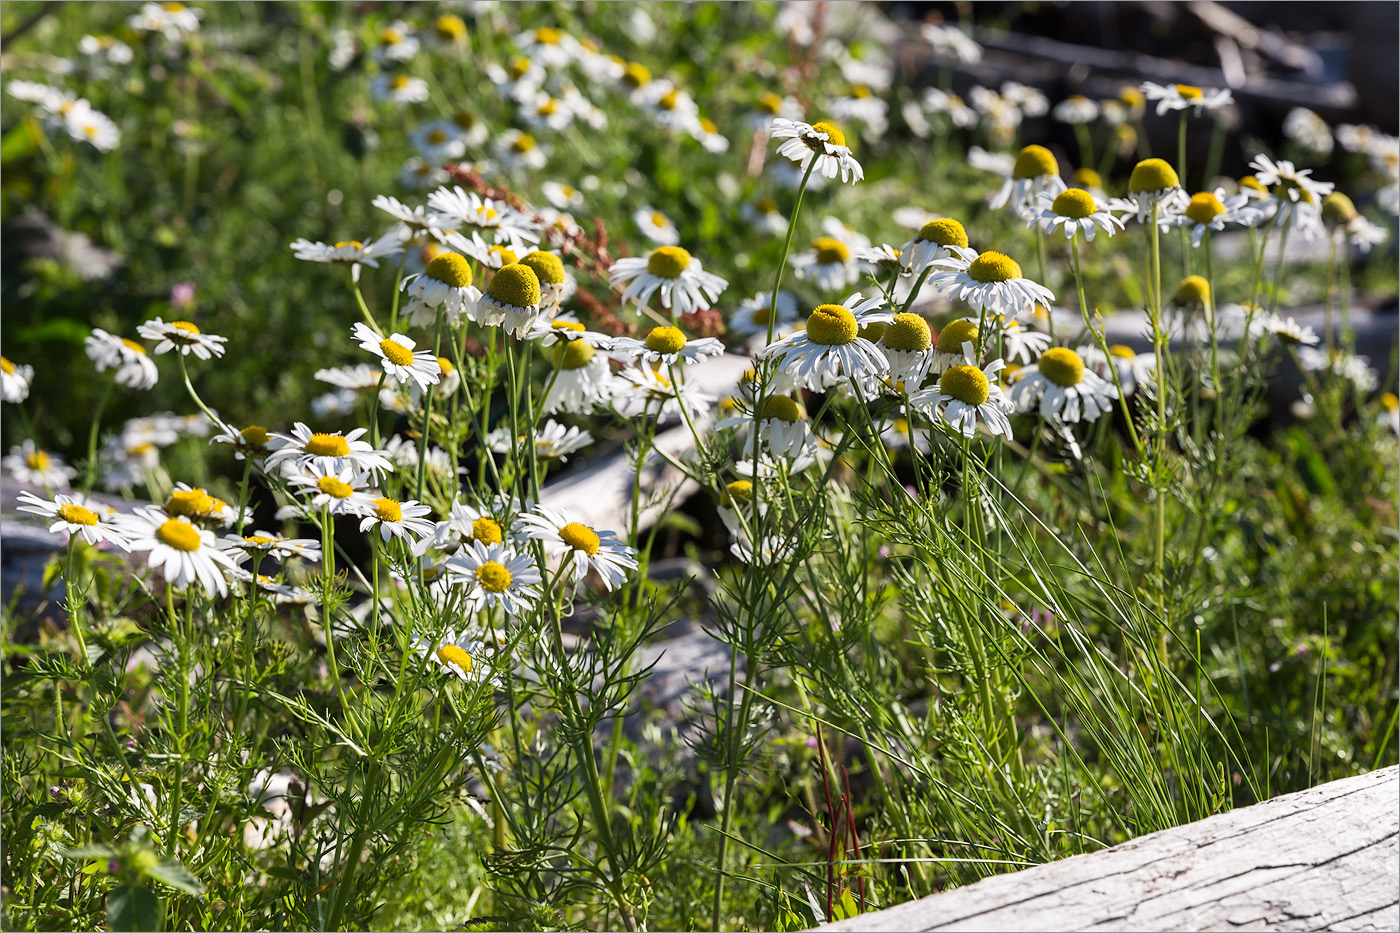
(665, 340)
(992, 266)
(133, 346)
(451, 269)
(7, 367)
(831, 326)
(576, 354)
(502, 255)
(450, 28)
(387, 510)
(834, 135)
(37, 460)
(455, 655)
(636, 75)
(945, 231)
(77, 515)
(668, 262)
(396, 353)
(1062, 366)
(1189, 92)
(327, 445)
(1194, 290)
(1075, 203)
(1122, 352)
(255, 435)
(829, 250)
(493, 576)
(741, 490)
(909, 333)
(335, 488)
(874, 331)
(487, 530)
(1337, 208)
(952, 337)
(1153, 175)
(1204, 207)
(1253, 184)
(1033, 162)
(549, 268)
(783, 408)
(182, 536)
(967, 384)
(189, 502)
(580, 538)
(515, 284)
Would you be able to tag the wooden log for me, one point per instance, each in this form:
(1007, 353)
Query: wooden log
(1325, 858)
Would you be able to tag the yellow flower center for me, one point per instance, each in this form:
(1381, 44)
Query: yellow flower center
(503, 255)
(1075, 203)
(636, 75)
(665, 340)
(741, 490)
(770, 103)
(387, 510)
(77, 515)
(523, 143)
(450, 27)
(1189, 91)
(519, 66)
(1204, 207)
(445, 366)
(861, 91)
(668, 262)
(254, 435)
(390, 36)
(830, 249)
(487, 530)
(1131, 96)
(7, 367)
(708, 125)
(567, 327)
(945, 231)
(348, 244)
(259, 539)
(760, 316)
(400, 82)
(873, 331)
(189, 502)
(1252, 183)
(1153, 175)
(1033, 162)
(452, 654)
(1087, 178)
(37, 460)
(517, 285)
(831, 326)
(133, 346)
(909, 333)
(992, 266)
(548, 107)
(1337, 208)
(669, 100)
(952, 337)
(396, 353)
(834, 135)
(182, 536)
(493, 576)
(1389, 401)
(549, 268)
(185, 326)
(783, 408)
(1193, 290)
(967, 384)
(576, 354)
(659, 219)
(1062, 366)
(1122, 352)
(580, 538)
(464, 120)
(766, 206)
(451, 269)
(335, 487)
(548, 36)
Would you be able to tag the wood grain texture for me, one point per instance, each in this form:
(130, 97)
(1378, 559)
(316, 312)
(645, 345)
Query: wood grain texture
(1321, 859)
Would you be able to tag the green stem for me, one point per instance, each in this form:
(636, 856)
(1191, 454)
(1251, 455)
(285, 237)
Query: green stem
(91, 475)
(1103, 346)
(346, 888)
(1181, 148)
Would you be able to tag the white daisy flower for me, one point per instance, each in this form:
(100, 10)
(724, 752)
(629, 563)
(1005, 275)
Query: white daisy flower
(829, 263)
(182, 336)
(1287, 330)
(1212, 210)
(580, 380)
(1186, 97)
(681, 279)
(751, 319)
(645, 391)
(460, 655)
(564, 197)
(1076, 109)
(896, 434)
(1134, 368)
(281, 593)
(762, 216)
(990, 281)
(252, 441)
(553, 441)
(467, 209)
(557, 284)
(87, 125)
(1065, 390)
(273, 545)
(1363, 234)
(823, 141)
(134, 366)
(399, 360)
(192, 502)
(1154, 183)
(831, 348)
(361, 376)
(672, 108)
(1075, 211)
(518, 150)
(656, 226)
(175, 21)
(772, 105)
(784, 427)
(399, 88)
(397, 519)
(965, 395)
(395, 43)
(28, 464)
(959, 113)
(1031, 102)
(512, 300)
(665, 345)
(907, 343)
(1297, 195)
(495, 576)
(184, 553)
(708, 135)
(519, 80)
(1355, 369)
(1022, 344)
(492, 257)
(419, 174)
(302, 447)
(1036, 170)
(15, 381)
(543, 111)
(352, 253)
(439, 141)
(552, 48)
(446, 283)
(580, 547)
(938, 238)
(564, 329)
(75, 515)
(1308, 130)
(774, 549)
(948, 41)
(340, 487)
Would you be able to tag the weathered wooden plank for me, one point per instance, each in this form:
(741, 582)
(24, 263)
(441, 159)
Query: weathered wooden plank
(1325, 858)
